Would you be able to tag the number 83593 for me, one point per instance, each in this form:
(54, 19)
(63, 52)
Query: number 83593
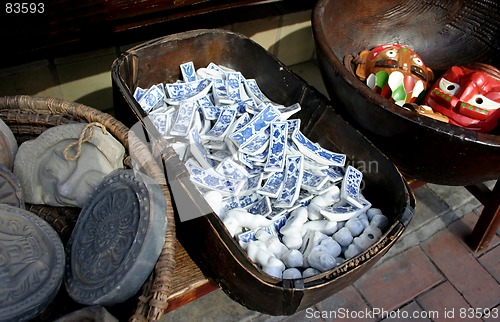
(24, 7)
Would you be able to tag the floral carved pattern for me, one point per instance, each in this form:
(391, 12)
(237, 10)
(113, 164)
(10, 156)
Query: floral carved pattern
(109, 235)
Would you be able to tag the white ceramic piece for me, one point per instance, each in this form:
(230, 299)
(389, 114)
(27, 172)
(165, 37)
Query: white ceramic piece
(188, 72)
(277, 147)
(190, 91)
(238, 218)
(183, 119)
(294, 168)
(316, 152)
(198, 150)
(257, 124)
(152, 98)
(211, 180)
(291, 273)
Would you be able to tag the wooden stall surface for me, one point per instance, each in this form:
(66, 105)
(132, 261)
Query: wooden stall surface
(189, 282)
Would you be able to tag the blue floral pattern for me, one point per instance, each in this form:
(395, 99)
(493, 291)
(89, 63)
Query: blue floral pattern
(151, 98)
(220, 128)
(188, 72)
(257, 124)
(277, 147)
(316, 152)
(255, 92)
(294, 166)
(233, 86)
(185, 116)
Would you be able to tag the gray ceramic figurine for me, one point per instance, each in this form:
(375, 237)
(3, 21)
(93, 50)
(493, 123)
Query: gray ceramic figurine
(59, 168)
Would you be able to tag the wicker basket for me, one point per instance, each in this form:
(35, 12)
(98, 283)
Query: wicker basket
(27, 117)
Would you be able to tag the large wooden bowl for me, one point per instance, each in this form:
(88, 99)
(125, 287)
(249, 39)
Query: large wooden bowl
(444, 33)
(205, 238)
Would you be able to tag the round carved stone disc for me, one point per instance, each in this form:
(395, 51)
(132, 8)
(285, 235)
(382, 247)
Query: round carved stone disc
(31, 264)
(8, 145)
(117, 239)
(10, 188)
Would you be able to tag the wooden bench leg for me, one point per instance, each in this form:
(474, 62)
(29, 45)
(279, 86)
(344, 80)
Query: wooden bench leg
(489, 220)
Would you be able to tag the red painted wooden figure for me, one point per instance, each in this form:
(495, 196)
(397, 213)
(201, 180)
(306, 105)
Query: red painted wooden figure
(469, 96)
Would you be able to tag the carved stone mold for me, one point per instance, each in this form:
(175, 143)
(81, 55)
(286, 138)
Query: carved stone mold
(31, 266)
(117, 239)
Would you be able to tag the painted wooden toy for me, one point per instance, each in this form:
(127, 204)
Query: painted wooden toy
(394, 71)
(469, 96)
(427, 111)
